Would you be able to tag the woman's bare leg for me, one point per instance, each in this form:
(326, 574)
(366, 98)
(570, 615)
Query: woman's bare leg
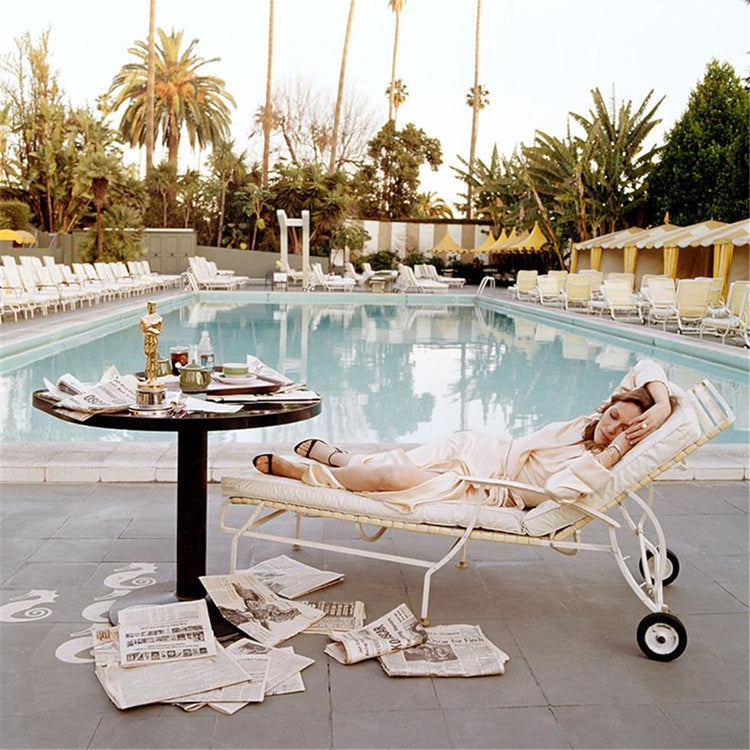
(355, 478)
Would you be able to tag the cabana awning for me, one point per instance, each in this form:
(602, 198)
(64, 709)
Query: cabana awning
(447, 245)
(483, 248)
(530, 242)
(20, 236)
(737, 234)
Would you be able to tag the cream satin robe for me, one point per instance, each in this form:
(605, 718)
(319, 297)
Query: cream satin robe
(552, 457)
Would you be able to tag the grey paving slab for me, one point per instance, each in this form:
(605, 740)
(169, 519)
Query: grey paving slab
(620, 726)
(49, 729)
(252, 728)
(414, 728)
(711, 724)
(154, 727)
(527, 727)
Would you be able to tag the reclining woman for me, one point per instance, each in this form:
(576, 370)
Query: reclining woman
(567, 459)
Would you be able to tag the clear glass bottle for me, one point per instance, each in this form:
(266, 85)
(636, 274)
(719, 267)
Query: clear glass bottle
(206, 351)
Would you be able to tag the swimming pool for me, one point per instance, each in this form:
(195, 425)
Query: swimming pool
(402, 371)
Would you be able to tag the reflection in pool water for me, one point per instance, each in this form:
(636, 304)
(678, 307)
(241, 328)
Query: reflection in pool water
(393, 373)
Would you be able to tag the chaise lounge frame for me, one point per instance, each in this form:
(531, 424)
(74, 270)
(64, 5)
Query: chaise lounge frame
(660, 634)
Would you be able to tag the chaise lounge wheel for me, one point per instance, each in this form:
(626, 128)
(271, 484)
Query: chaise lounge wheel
(672, 567)
(661, 636)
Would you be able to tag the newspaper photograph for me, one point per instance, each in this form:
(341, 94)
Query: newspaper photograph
(338, 616)
(257, 611)
(165, 633)
(449, 651)
(396, 630)
(289, 578)
(157, 683)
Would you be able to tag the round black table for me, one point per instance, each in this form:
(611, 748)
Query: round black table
(192, 463)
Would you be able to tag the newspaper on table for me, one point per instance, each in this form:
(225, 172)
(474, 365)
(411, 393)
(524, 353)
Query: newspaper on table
(289, 578)
(113, 393)
(255, 610)
(396, 630)
(449, 651)
(156, 683)
(261, 370)
(338, 616)
(165, 633)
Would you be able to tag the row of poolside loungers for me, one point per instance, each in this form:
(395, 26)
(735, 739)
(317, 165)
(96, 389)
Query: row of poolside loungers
(686, 305)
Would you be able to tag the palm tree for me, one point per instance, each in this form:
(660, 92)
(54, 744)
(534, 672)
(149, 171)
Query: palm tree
(96, 170)
(478, 99)
(183, 98)
(397, 94)
(150, 84)
(396, 6)
(162, 179)
(225, 165)
(268, 108)
(340, 93)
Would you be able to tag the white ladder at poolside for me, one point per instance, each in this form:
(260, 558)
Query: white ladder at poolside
(484, 283)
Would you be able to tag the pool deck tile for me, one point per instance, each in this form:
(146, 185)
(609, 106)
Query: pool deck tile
(156, 461)
(575, 676)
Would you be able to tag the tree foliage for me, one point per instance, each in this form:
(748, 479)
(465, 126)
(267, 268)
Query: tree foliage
(703, 173)
(387, 184)
(48, 143)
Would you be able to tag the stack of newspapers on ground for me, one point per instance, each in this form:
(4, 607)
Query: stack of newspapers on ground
(169, 654)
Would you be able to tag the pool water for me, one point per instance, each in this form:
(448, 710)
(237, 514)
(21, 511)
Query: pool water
(387, 373)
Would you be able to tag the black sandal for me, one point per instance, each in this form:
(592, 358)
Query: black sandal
(269, 456)
(306, 453)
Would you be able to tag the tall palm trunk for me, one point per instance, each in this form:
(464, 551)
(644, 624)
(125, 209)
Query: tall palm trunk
(222, 208)
(340, 93)
(150, 85)
(267, 109)
(474, 116)
(396, 4)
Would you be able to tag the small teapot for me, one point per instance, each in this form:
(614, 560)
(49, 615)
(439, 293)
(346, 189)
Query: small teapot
(194, 378)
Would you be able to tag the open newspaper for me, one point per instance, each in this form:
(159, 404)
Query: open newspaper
(165, 633)
(338, 616)
(113, 393)
(449, 651)
(396, 630)
(256, 610)
(289, 578)
(155, 683)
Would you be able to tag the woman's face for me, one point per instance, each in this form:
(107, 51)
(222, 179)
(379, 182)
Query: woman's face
(614, 420)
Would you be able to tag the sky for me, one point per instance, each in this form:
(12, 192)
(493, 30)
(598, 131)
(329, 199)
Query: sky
(539, 59)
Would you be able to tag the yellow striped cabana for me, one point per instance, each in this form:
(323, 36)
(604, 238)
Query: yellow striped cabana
(731, 250)
(594, 247)
(668, 243)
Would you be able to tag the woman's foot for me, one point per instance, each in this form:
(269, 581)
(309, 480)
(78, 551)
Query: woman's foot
(319, 450)
(277, 466)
